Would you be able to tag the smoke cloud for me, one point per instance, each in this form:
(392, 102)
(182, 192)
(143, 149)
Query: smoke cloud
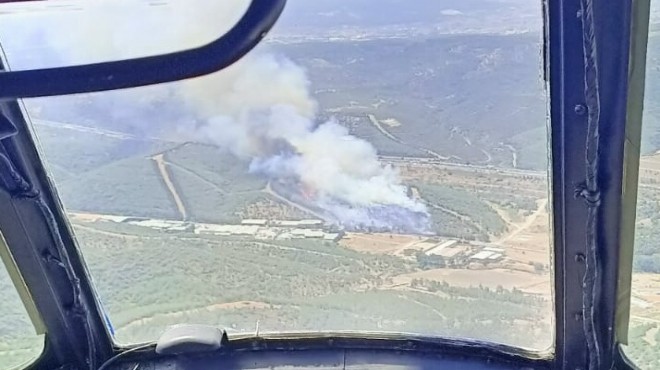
(260, 108)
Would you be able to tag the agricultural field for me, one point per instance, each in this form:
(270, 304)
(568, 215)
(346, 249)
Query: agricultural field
(644, 344)
(321, 286)
(18, 340)
(131, 186)
(464, 206)
(361, 126)
(87, 148)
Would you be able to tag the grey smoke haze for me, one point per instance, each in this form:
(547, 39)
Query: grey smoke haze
(260, 108)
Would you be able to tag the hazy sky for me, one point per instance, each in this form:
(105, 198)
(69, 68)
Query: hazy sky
(41, 34)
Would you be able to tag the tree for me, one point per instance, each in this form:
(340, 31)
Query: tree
(538, 267)
(409, 252)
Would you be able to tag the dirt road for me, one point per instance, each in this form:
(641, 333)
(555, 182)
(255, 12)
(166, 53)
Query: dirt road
(542, 204)
(162, 167)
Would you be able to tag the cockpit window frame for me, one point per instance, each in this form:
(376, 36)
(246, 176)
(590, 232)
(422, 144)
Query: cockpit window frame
(586, 214)
(42, 243)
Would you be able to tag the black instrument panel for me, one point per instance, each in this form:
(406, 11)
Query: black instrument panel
(322, 360)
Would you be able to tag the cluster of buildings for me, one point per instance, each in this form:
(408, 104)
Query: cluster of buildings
(269, 231)
(256, 228)
(312, 223)
(456, 253)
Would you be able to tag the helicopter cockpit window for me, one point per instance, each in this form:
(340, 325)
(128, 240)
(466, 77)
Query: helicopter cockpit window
(369, 167)
(644, 332)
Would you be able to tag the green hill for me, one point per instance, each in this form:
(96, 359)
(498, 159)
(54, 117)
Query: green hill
(130, 187)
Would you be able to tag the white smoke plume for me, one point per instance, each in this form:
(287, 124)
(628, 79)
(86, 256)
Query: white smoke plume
(260, 109)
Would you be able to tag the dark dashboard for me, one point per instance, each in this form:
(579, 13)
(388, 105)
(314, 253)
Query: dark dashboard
(336, 352)
(320, 359)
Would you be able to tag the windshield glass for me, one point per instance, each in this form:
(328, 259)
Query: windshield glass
(644, 332)
(372, 166)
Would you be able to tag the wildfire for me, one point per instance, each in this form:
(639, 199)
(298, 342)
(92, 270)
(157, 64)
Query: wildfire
(308, 192)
